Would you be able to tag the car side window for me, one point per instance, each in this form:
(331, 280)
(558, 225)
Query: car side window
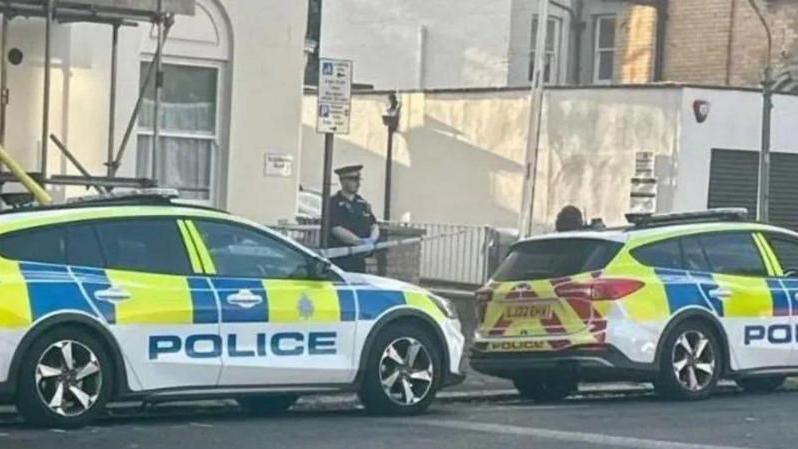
(786, 250)
(664, 254)
(46, 245)
(733, 253)
(148, 245)
(82, 246)
(239, 251)
(694, 257)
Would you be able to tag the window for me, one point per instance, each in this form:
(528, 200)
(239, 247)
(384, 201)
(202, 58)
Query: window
(551, 70)
(694, 257)
(150, 245)
(666, 254)
(46, 245)
(733, 253)
(786, 250)
(546, 259)
(83, 248)
(604, 51)
(238, 251)
(188, 120)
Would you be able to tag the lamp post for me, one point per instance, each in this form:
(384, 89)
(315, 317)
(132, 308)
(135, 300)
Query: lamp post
(391, 120)
(763, 200)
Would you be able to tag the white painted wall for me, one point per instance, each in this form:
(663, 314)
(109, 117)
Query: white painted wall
(734, 122)
(465, 45)
(265, 56)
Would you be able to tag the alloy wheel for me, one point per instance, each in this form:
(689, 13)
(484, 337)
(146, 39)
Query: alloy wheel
(406, 371)
(68, 378)
(694, 360)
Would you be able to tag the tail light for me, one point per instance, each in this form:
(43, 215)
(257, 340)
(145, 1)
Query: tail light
(599, 289)
(483, 297)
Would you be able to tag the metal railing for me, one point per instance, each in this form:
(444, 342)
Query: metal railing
(467, 255)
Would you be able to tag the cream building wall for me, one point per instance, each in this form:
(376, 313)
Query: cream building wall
(459, 154)
(257, 46)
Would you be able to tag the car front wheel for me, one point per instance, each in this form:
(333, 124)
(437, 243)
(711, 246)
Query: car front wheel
(402, 373)
(65, 381)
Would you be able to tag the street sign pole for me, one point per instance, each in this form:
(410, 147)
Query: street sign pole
(333, 107)
(325, 191)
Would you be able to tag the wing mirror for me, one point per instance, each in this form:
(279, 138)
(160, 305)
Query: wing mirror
(321, 269)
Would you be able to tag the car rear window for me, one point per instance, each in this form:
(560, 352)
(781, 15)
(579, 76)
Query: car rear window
(546, 259)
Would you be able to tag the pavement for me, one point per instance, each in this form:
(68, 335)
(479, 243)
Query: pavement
(624, 417)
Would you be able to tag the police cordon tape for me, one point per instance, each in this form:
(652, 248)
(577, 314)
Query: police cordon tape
(332, 253)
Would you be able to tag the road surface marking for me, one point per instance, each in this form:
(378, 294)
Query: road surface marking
(596, 439)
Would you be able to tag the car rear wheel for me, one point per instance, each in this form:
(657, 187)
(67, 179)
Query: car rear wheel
(403, 372)
(66, 379)
(267, 405)
(545, 388)
(761, 384)
(690, 363)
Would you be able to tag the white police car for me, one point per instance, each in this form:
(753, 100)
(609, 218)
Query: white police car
(140, 298)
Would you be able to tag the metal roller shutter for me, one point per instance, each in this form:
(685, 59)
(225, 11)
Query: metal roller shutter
(733, 177)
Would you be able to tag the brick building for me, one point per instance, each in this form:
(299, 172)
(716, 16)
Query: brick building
(717, 42)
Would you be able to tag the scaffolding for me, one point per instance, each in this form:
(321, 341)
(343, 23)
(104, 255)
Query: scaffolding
(116, 14)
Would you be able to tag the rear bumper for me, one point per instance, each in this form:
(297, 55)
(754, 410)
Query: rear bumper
(606, 364)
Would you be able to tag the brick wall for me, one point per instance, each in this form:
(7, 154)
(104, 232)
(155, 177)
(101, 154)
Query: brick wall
(635, 40)
(717, 42)
(401, 262)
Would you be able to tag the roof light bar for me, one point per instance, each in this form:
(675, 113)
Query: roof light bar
(710, 215)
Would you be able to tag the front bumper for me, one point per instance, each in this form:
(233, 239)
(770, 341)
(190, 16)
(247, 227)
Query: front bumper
(607, 363)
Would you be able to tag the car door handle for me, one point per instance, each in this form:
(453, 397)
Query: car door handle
(245, 299)
(721, 294)
(113, 295)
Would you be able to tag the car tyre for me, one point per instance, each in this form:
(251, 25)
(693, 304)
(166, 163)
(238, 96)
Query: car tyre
(66, 380)
(267, 405)
(403, 372)
(690, 363)
(545, 389)
(761, 384)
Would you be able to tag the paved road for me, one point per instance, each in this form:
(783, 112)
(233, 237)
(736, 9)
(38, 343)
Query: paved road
(631, 420)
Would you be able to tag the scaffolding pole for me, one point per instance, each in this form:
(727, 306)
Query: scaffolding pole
(112, 99)
(3, 79)
(48, 20)
(156, 126)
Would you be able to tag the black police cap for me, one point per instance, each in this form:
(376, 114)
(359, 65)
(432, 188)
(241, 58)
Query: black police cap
(348, 170)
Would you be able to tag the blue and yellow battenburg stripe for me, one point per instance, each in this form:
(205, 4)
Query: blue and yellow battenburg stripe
(31, 291)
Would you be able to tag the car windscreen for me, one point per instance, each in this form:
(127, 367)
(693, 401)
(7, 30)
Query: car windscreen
(553, 258)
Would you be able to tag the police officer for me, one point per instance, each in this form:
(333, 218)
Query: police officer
(569, 219)
(351, 221)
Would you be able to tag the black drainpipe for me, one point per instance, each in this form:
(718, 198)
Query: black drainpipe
(659, 52)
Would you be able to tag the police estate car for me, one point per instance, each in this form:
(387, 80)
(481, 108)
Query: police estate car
(681, 300)
(141, 298)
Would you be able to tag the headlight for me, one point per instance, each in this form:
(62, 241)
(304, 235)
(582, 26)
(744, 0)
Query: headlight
(445, 306)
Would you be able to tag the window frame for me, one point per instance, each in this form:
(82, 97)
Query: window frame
(309, 256)
(598, 49)
(212, 137)
(554, 73)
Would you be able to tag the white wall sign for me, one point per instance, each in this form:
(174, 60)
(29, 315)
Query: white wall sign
(334, 96)
(278, 164)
